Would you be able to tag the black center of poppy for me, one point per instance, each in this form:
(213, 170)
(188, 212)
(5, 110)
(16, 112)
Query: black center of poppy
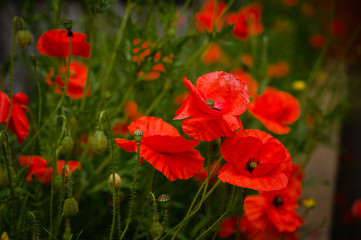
(251, 164)
(278, 201)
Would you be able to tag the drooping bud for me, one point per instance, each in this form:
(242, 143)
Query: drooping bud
(138, 135)
(70, 207)
(68, 24)
(24, 38)
(67, 144)
(156, 230)
(118, 181)
(99, 142)
(210, 102)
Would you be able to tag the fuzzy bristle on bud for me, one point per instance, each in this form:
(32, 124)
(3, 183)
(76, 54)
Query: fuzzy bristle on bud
(156, 230)
(138, 135)
(99, 142)
(24, 38)
(70, 207)
(118, 181)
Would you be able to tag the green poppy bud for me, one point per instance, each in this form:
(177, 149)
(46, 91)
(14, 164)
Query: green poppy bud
(18, 192)
(99, 142)
(24, 38)
(68, 24)
(156, 230)
(67, 144)
(138, 135)
(70, 207)
(118, 181)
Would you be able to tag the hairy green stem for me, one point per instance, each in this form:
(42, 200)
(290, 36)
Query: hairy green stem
(39, 90)
(132, 197)
(243, 196)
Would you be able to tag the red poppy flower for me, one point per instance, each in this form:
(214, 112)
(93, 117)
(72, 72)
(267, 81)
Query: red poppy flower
(207, 122)
(164, 148)
(18, 122)
(209, 16)
(212, 54)
(317, 40)
(55, 43)
(77, 80)
(356, 208)
(278, 70)
(255, 160)
(274, 109)
(251, 83)
(274, 211)
(38, 167)
(246, 21)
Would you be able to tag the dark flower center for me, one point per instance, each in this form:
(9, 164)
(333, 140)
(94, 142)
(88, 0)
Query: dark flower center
(251, 164)
(278, 201)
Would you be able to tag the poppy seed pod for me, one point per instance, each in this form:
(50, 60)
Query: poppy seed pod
(68, 24)
(163, 200)
(118, 181)
(156, 230)
(70, 207)
(67, 144)
(24, 38)
(138, 135)
(99, 142)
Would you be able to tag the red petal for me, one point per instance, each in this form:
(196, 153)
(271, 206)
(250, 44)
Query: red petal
(173, 156)
(130, 146)
(19, 124)
(284, 219)
(4, 107)
(73, 165)
(255, 211)
(153, 126)
(274, 181)
(55, 43)
(207, 128)
(229, 92)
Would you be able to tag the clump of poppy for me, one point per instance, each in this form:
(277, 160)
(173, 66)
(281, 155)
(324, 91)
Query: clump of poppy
(255, 160)
(212, 109)
(275, 109)
(18, 122)
(209, 16)
(278, 70)
(38, 167)
(164, 148)
(77, 80)
(55, 43)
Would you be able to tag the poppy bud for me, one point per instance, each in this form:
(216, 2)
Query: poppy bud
(138, 135)
(68, 24)
(66, 235)
(163, 199)
(67, 144)
(156, 230)
(70, 207)
(24, 38)
(18, 192)
(99, 142)
(118, 181)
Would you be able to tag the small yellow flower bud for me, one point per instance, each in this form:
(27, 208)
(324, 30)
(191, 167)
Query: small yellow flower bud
(118, 181)
(309, 202)
(299, 85)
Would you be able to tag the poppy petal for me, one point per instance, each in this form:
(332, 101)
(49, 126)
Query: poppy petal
(4, 107)
(19, 124)
(153, 126)
(130, 146)
(207, 128)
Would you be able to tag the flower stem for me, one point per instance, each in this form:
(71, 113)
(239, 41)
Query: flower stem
(120, 35)
(132, 197)
(230, 203)
(243, 196)
(56, 108)
(33, 61)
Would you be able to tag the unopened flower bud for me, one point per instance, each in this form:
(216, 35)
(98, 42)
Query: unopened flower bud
(70, 207)
(18, 192)
(163, 199)
(68, 24)
(138, 135)
(67, 144)
(99, 142)
(156, 230)
(24, 38)
(118, 181)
